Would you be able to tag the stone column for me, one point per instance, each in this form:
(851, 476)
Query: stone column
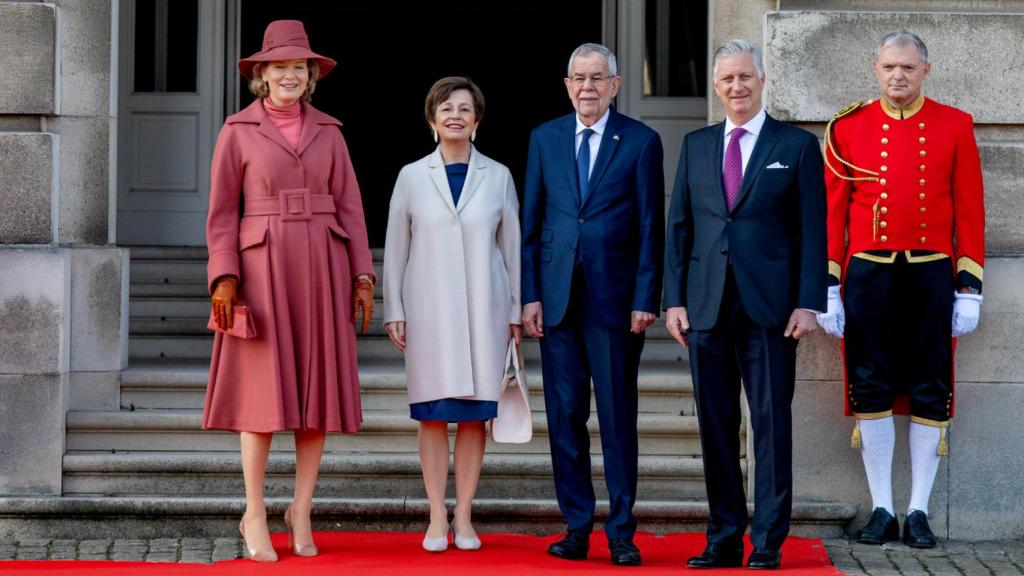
(63, 297)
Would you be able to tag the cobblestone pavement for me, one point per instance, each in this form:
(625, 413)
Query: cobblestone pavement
(952, 558)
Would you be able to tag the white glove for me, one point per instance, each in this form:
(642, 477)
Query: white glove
(966, 311)
(833, 320)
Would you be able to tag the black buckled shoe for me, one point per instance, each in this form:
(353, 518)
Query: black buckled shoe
(624, 552)
(718, 556)
(573, 546)
(882, 527)
(916, 532)
(764, 559)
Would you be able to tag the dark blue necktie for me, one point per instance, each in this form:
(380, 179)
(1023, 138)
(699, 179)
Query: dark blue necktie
(583, 163)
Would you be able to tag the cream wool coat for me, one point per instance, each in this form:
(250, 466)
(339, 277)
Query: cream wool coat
(451, 273)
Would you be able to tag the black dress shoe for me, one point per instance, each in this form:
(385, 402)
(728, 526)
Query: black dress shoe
(718, 556)
(916, 532)
(624, 552)
(574, 546)
(882, 527)
(764, 560)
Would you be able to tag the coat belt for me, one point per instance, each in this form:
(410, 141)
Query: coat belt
(296, 204)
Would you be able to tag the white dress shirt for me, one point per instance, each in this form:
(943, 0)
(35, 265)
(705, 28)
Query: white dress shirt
(595, 138)
(748, 140)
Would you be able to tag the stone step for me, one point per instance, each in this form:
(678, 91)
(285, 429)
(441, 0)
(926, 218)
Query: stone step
(382, 431)
(148, 346)
(109, 517)
(662, 387)
(189, 316)
(390, 475)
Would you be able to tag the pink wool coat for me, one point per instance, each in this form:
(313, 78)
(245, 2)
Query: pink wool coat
(289, 225)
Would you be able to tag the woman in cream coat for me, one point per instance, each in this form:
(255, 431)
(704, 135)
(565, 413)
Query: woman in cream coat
(451, 297)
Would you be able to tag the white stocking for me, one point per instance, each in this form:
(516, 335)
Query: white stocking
(924, 463)
(878, 439)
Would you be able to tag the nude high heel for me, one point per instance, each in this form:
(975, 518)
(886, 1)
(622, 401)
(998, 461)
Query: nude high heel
(256, 555)
(307, 551)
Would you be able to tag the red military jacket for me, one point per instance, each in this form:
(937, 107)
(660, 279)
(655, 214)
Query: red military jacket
(905, 180)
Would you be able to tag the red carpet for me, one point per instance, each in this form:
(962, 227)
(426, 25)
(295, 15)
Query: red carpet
(372, 554)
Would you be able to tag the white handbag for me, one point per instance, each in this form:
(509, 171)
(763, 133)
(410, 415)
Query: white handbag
(514, 424)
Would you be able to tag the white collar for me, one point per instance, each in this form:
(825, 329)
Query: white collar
(598, 126)
(753, 126)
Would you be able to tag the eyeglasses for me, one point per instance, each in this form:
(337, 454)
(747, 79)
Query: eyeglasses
(596, 80)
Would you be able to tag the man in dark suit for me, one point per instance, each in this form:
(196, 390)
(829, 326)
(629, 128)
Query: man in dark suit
(744, 275)
(593, 213)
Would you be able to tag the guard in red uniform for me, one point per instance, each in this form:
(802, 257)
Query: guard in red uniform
(906, 223)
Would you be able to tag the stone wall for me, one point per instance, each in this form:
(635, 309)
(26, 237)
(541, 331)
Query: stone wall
(63, 298)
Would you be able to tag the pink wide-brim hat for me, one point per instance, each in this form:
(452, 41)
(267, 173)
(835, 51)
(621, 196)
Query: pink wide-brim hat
(285, 40)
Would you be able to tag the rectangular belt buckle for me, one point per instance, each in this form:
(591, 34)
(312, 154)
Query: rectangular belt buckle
(295, 205)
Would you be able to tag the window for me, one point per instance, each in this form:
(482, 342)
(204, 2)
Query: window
(166, 45)
(675, 48)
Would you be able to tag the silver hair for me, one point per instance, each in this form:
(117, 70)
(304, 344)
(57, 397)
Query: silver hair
(591, 48)
(904, 38)
(739, 46)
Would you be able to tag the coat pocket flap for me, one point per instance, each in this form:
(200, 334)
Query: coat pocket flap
(250, 238)
(338, 231)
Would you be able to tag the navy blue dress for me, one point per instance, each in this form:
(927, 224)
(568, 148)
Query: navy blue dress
(454, 409)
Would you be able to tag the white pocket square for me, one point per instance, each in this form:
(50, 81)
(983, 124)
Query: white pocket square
(775, 166)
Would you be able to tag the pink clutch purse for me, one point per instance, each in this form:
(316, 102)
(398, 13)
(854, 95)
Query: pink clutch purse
(242, 327)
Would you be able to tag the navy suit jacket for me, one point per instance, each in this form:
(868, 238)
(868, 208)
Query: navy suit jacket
(774, 234)
(618, 227)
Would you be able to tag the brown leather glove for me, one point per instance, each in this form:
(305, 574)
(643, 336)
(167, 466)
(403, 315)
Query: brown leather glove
(362, 299)
(225, 294)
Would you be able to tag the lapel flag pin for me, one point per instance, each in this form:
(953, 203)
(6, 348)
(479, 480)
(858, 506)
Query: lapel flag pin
(615, 137)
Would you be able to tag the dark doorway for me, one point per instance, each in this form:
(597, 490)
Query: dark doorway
(389, 54)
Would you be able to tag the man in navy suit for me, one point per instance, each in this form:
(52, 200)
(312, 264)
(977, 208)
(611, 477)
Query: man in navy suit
(744, 273)
(593, 217)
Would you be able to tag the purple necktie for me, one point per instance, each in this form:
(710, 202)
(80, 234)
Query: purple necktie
(732, 171)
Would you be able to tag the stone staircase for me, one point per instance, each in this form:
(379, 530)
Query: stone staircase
(148, 469)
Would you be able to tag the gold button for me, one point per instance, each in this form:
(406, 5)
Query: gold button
(885, 140)
(921, 125)
(923, 239)
(921, 167)
(921, 195)
(885, 168)
(885, 126)
(923, 209)
(885, 154)
(923, 153)
(883, 224)
(884, 195)
(885, 238)
(921, 140)
(882, 181)
(923, 225)
(885, 209)
(921, 181)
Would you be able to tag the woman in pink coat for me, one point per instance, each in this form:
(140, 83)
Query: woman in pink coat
(287, 239)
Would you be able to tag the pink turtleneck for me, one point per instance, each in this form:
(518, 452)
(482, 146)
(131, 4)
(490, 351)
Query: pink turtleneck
(287, 119)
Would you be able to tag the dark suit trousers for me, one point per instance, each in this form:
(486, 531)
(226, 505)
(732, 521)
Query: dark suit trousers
(575, 351)
(737, 348)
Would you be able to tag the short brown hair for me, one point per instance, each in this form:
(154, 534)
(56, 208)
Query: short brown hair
(261, 90)
(444, 88)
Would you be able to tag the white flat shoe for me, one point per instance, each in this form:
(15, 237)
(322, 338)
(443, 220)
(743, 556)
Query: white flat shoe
(436, 544)
(463, 543)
